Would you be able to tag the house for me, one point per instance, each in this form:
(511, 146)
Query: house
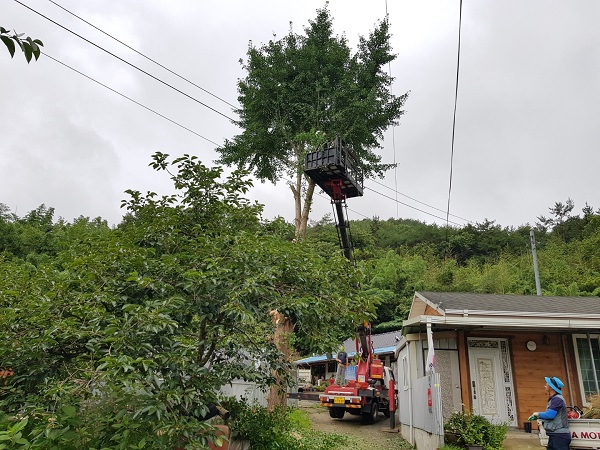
(492, 353)
(324, 366)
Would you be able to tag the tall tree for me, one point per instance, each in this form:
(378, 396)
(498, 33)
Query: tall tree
(303, 90)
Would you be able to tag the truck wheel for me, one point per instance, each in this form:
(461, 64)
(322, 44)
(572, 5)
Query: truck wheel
(336, 413)
(371, 414)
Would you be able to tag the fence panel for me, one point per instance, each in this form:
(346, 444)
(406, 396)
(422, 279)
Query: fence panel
(423, 416)
(249, 391)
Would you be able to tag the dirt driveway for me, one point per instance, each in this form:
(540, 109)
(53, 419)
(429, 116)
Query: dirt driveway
(364, 436)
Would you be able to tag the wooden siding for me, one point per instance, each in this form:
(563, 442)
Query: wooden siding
(530, 368)
(429, 311)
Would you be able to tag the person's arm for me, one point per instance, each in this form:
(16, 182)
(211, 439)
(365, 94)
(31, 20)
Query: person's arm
(549, 414)
(555, 404)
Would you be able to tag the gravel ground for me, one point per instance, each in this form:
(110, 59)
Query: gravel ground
(363, 436)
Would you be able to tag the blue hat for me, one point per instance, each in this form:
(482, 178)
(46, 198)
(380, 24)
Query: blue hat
(555, 384)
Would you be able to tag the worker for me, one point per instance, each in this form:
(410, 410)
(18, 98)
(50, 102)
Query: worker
(342, 360)
(554, 419)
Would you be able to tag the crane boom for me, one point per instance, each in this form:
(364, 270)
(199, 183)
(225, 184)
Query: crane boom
(335, 169)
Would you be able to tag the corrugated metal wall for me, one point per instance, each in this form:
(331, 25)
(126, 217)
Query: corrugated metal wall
(249, 391)
(424, 417)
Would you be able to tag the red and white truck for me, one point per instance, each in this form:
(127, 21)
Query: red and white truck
(372, 391)
(585, 433)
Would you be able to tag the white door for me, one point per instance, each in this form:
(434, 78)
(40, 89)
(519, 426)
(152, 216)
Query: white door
(487, 387)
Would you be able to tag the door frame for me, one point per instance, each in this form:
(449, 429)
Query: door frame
(498, 349)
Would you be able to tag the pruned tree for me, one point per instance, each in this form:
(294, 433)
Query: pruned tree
(301, 91)
(30, 47)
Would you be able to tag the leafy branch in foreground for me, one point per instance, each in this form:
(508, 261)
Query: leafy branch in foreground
(30, 47)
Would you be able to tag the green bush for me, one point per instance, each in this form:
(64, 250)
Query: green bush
(280, 429)
(472, 429)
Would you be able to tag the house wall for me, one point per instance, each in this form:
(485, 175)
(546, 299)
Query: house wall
(529, 369)
(547, 360)
(429, 311)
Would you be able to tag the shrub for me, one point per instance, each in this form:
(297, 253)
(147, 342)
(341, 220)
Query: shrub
(279, 429)
(472, 429)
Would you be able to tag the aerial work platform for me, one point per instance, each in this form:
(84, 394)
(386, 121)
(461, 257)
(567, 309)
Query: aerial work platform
(330, 164)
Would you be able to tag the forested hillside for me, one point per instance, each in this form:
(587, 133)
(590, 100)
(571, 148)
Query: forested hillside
(396, 256)
(400, 256)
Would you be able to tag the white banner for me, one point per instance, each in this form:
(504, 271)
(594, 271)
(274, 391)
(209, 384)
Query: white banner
(430, 366)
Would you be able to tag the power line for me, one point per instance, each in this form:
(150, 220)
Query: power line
(413, 207)
(390, 198)
(418, 201)
(187, 95)
(129, 98)
(393, 129)
(126, 62)
(455, 102)
(141, 54)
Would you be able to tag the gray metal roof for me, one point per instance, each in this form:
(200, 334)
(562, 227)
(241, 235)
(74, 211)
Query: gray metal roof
(446, 301)
(379, 341)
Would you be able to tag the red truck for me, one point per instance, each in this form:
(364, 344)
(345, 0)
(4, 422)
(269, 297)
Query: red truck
(372, 391)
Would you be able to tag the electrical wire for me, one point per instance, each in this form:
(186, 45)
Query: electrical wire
(455, 102)
(129, 98)
(418, 201)
(413, 207)
(141, 54)
(218, 112)
(213, 142)
(126, 62)
(393, 131)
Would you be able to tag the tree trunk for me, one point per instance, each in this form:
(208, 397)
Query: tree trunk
(310, 190)
(283, 327)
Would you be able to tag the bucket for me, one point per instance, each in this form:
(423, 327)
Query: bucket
(527, 427)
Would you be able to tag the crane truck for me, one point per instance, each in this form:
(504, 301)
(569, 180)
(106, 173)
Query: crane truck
(335, 169)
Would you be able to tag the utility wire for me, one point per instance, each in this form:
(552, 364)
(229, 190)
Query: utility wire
(393, 130)
(126, 62)
(129, 98)
(141, 54)
(454, 115)
(218, 112)
(413, 207)
(418, 201)
(213, 142)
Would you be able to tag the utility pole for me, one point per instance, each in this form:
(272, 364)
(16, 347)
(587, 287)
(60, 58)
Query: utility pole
(536, 271)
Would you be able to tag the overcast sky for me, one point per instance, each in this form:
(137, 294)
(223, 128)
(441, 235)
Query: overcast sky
(527, 119)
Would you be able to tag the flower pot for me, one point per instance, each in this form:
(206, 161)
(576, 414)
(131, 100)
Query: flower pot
(475, 447)
(450, 438)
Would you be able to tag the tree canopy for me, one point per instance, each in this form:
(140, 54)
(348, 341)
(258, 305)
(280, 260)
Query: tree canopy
(305, 89)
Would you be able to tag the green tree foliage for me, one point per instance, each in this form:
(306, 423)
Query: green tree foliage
(122, 337)
(30, 47)
(303, 90)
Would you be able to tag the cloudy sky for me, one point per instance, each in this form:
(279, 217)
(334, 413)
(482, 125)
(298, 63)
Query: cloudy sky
(527, 119)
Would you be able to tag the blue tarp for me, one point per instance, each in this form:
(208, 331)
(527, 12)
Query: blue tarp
(323, 358)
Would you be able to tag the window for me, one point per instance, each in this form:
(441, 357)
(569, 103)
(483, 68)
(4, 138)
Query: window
(585, 366)
(405, 372)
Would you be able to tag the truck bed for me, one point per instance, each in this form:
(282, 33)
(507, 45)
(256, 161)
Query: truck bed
(585, 433)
